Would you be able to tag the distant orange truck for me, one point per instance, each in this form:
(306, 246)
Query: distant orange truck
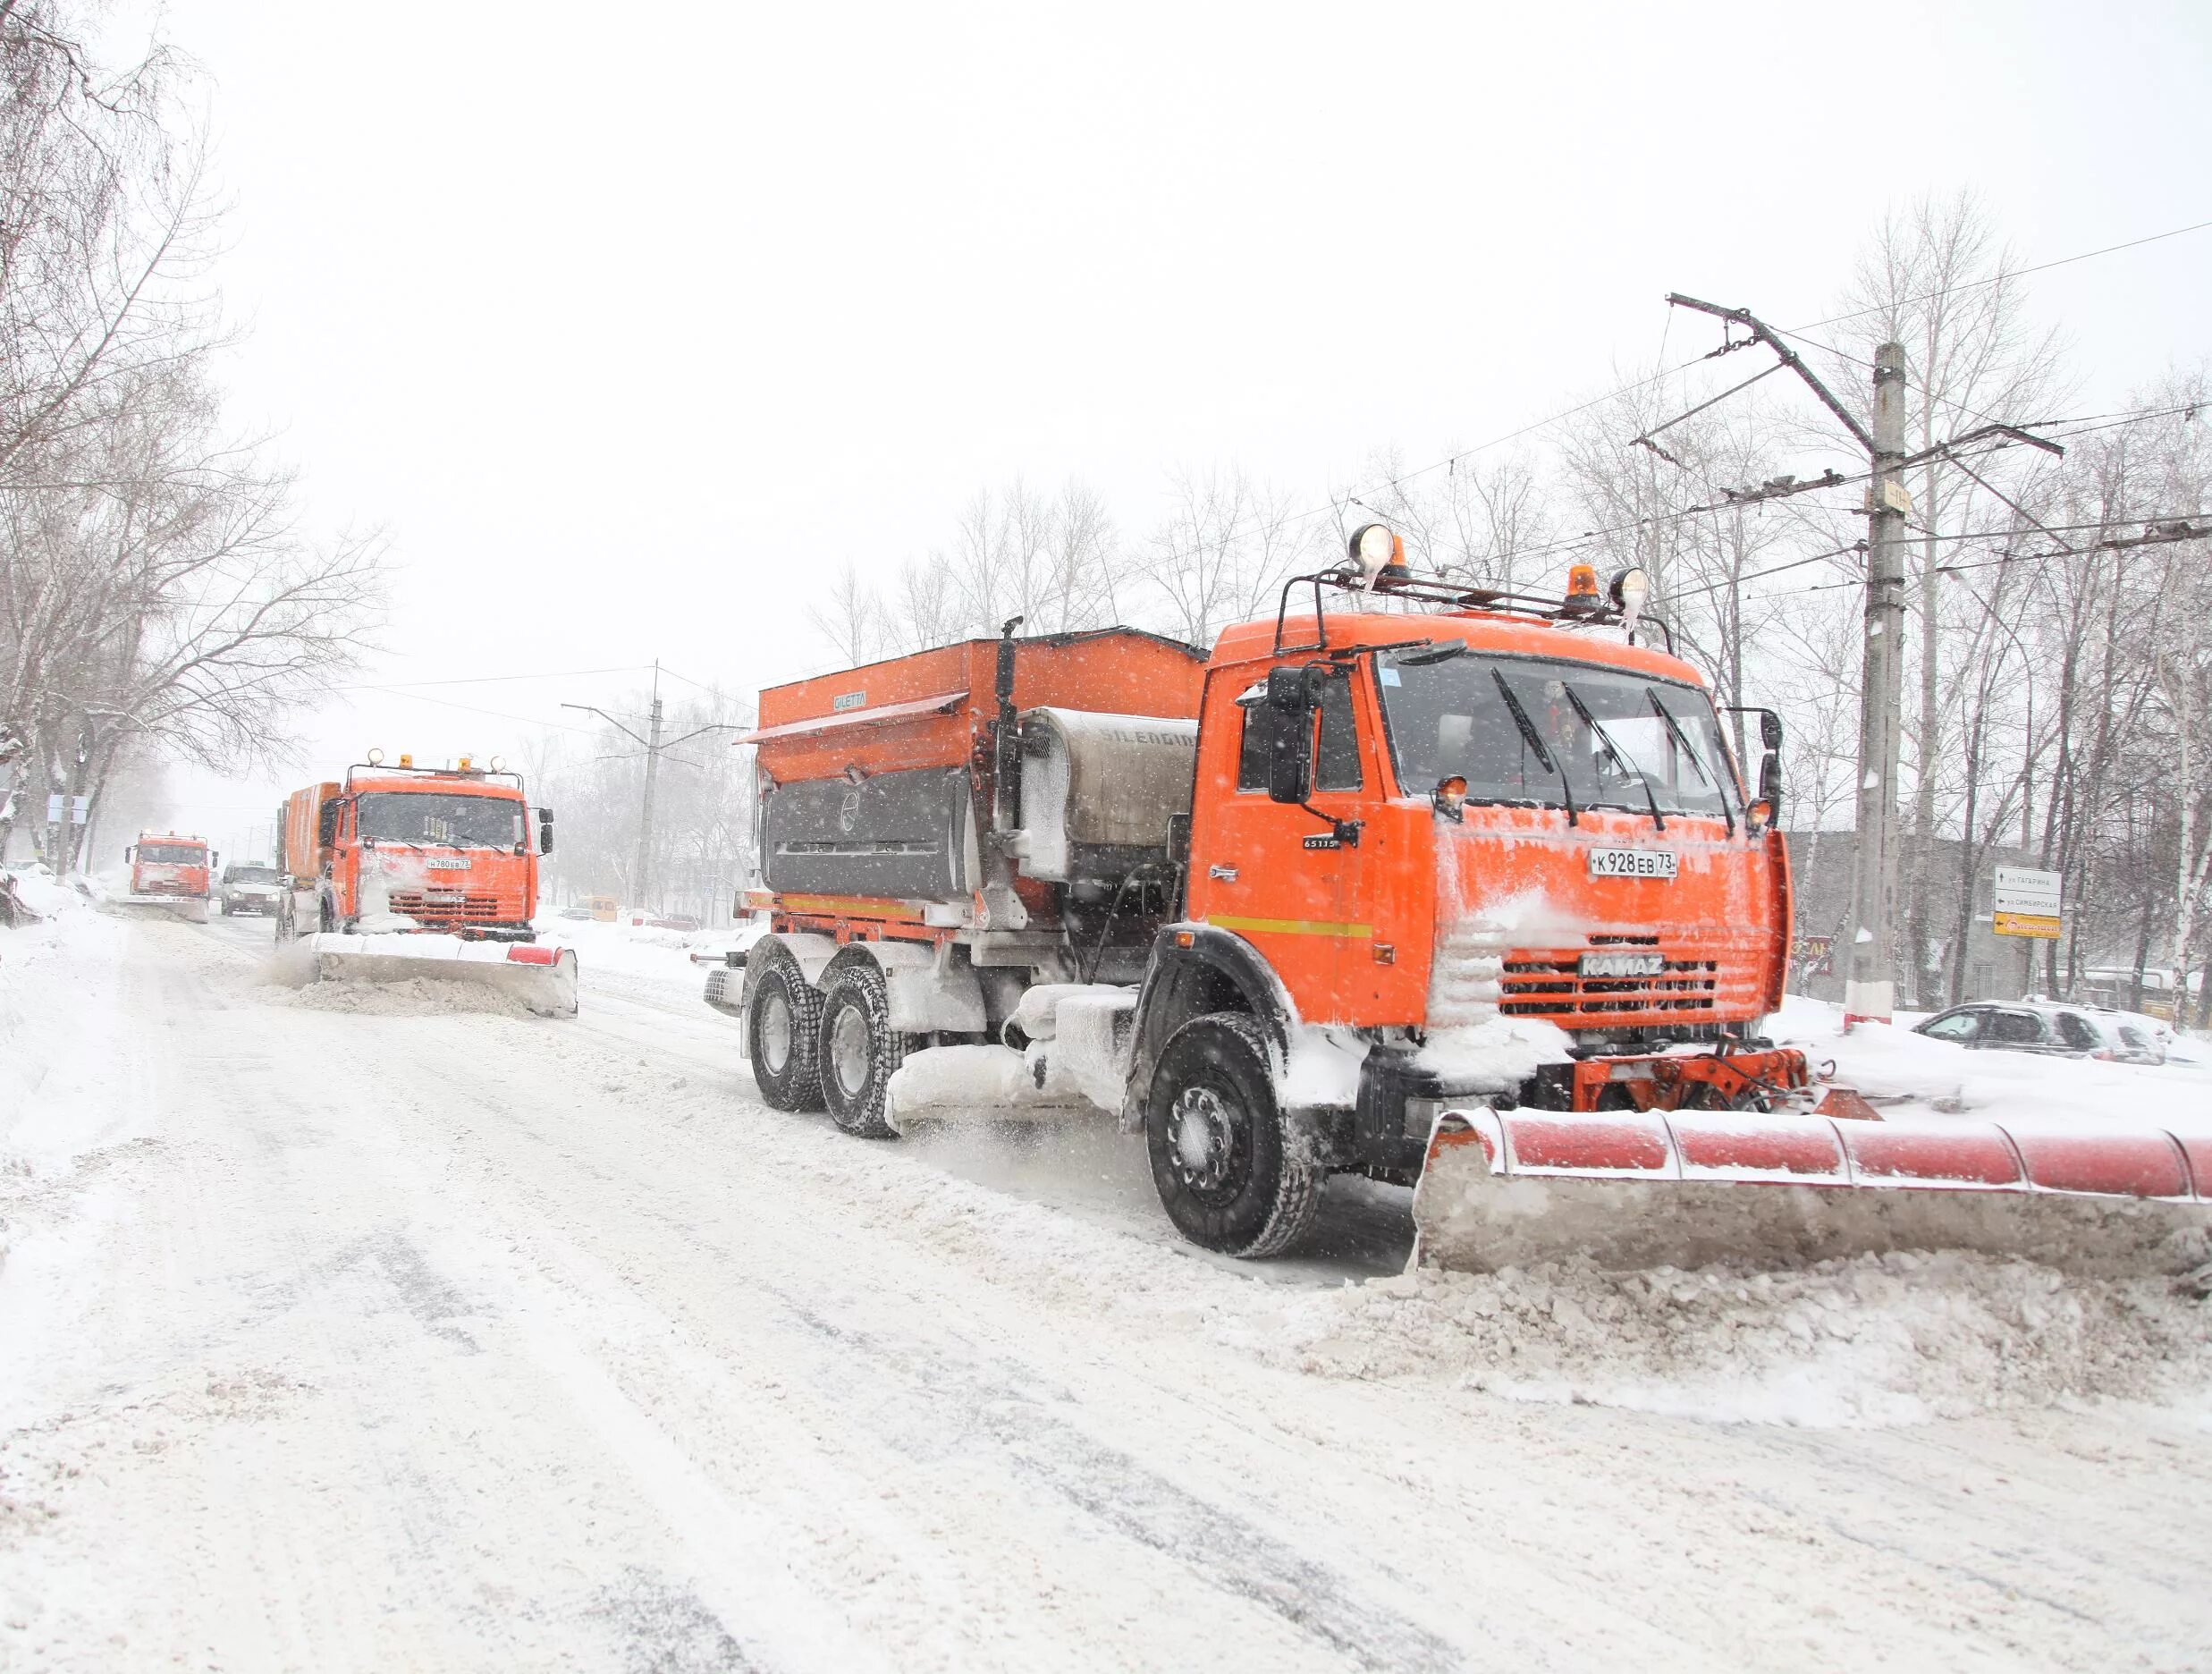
(170, 872)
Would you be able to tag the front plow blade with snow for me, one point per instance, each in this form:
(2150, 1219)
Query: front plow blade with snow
(1683, 1189)
(192, 909)
(542, 977)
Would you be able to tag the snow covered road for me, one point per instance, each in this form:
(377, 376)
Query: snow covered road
(388, 1337)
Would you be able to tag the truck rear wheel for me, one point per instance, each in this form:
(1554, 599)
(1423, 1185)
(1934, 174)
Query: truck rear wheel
(1234, 1171)
(859, 1048)
(783, 1019)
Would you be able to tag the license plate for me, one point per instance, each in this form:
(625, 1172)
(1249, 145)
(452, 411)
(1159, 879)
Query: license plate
(448, 866)
(1623, 964)
(1632, 863)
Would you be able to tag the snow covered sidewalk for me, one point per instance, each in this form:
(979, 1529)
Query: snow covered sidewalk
(359, 1333)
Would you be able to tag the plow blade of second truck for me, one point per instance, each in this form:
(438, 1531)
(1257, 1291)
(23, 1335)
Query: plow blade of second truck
(542, 977)
(1630, 1190)
(192, 909)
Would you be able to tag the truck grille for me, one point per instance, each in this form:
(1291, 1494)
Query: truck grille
(1557, 986)
(444, 909)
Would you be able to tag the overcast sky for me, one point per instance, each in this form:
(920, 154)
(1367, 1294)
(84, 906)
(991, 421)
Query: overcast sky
(630, 324)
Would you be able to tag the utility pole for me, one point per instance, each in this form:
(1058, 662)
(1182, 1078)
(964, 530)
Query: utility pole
(1870, 980)
(1870, 985)
(654, 746)
(652, 774)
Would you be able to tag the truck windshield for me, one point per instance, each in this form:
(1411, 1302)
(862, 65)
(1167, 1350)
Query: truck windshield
(432, 819)
(1604, 734)
(173, 854)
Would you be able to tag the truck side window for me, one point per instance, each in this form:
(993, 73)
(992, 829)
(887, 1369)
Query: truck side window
(1337, 766)
(1260, 725)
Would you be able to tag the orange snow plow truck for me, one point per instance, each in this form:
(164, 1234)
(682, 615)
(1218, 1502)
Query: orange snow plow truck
(1445, 887)
(431, 872)
(171, 874)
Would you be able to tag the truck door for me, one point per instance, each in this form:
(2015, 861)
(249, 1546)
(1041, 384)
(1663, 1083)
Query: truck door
(1276, 873)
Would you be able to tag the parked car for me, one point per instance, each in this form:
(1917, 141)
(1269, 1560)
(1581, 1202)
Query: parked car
(249, 889)
(576, 912)
(2064, 1031)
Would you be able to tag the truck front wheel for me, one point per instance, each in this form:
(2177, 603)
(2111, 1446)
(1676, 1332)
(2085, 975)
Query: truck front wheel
(860, 1050)
(1234, 1173)
(782, 1017)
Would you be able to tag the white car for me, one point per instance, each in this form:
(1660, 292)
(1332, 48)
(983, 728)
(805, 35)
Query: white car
(249, 889)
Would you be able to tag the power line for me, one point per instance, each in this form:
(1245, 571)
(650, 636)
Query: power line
(2015, 273)
(447, 703)
(491, 680)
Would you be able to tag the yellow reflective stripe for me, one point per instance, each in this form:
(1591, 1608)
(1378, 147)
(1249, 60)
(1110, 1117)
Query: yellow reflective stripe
(1292, 926)
(840, 904)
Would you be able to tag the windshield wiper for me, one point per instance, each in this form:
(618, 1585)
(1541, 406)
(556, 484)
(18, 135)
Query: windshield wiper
(1535, 741)
(1428, 652)
(1682, 743)
(1620, 761)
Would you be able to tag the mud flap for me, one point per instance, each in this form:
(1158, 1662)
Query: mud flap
(1514, 1188)
(543, 976)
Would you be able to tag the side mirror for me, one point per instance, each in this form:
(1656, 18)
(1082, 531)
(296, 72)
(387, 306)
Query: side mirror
(1770, 728)
(545, 830)
(327, 826)
(1293, 695)
(1767, 811)
(129, 850)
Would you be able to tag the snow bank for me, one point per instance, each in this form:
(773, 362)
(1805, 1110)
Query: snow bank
(1932, 1079)
(1874, 1340)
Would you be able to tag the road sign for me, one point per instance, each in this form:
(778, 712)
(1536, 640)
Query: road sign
(2023, 890)
(73, 809)
(2045, 926)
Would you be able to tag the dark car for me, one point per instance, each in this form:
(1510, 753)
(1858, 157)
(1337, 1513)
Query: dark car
(2029, 1027)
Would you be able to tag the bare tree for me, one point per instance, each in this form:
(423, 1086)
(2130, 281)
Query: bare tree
(1222, 551)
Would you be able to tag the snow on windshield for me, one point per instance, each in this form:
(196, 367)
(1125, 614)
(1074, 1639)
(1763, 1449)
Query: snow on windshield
(1514, 727)
(441, 818)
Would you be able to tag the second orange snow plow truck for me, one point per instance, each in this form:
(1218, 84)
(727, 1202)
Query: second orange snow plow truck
(171, 873)
(1446, 886)
(410, 871)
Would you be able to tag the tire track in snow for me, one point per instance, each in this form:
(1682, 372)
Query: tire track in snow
(1225, 1551)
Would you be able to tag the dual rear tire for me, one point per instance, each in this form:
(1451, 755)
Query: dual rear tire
(831, 1048)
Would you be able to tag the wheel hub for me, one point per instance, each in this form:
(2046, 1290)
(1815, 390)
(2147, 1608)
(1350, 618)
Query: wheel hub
(1201, 1135)
(775, 1033)
(848, 1051)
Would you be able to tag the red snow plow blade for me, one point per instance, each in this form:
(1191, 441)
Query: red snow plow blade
(1512, 1188)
